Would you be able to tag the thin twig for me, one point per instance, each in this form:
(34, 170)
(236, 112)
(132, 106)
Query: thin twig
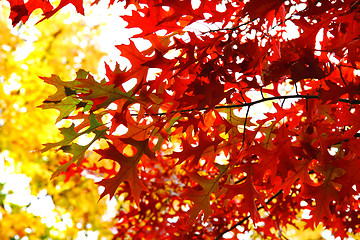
(247, 217)
(233, 28)
(252, 103)
(262, 94)
(246, 117)
(242, 96)
(342, 77)
(296, 89)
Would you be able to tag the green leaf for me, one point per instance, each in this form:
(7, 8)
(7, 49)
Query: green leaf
(64, 89)
(66, 106)
(101, 93)
(78, 153)
(70, 134)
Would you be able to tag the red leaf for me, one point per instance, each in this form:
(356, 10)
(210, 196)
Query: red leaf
(128, 169)
(324, 195)
(21, 11)
(249, 193)
(78, 4)
(259, 8)
(201, 198)
(206, 149)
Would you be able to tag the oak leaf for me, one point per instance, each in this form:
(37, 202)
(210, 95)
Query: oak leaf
(128, 168)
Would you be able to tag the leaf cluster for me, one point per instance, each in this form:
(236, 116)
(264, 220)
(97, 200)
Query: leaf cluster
(193, 155)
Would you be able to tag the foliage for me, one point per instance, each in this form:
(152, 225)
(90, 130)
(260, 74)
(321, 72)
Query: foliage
(185, 144)
(26, 53)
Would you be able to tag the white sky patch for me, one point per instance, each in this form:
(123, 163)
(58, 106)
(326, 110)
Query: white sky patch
(87, 235)
(292, 31)
(17, 187)
(228, 235)
(319, 38)
(18, 184)
(22, 52)
(120, 130)
(113, 31)
(112, 206)
(306, 214)
(12, 84)
(43, 206)
(326, 234)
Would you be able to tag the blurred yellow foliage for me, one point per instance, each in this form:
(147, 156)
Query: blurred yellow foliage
(59, 45)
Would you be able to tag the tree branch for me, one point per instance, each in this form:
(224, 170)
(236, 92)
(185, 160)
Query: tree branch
(247, 217)
(246, 23)
(342, 77)
(260, 207)
(246, 118)
(253, 103)
(232, 28)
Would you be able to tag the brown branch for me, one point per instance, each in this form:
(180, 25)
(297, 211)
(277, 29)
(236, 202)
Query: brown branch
(260, 207)
(246, 23)
(253, 103)
(233, 28)
(246, 118)
(342, 77)
(247, 217)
